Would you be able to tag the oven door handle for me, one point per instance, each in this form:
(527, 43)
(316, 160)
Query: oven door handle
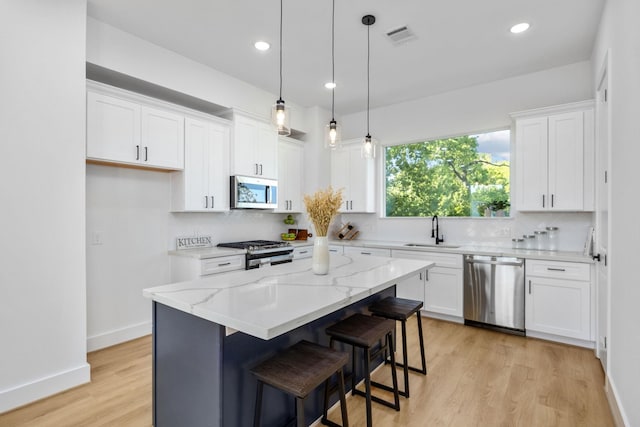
(269, 260)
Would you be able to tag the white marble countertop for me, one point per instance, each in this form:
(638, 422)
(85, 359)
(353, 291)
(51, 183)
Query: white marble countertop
(470, 248)
(273, 300)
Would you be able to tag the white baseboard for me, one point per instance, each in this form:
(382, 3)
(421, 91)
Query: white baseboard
(564, 340)
(619, 417)
(44, 387)
(117, 336)
(440, 316)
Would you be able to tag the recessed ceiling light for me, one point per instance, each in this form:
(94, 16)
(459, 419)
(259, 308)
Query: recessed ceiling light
(330, 85)
(520, 28)
(260, 45)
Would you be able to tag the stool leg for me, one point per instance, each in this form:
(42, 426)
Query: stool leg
(367, 384)
(343, 399)
(326, 400)
(424, 360)
(405, 360)
(300, 411)
(258, 410)
(353, 369)
(394, 375)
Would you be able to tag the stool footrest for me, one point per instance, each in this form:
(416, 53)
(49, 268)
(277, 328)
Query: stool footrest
(377, 399)
(411, 368)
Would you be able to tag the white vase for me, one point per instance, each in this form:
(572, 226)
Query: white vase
(320, 264)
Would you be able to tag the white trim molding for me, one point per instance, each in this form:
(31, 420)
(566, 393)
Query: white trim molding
(44, 387)
(117, 336)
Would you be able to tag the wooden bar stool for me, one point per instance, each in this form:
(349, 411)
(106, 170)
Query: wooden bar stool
(401, 309)
(297, 371)
(365, 332)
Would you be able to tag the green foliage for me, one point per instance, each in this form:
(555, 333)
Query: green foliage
(445, 177)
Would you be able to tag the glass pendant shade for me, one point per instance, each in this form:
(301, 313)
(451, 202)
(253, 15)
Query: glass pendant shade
(280, 117)
(332, 135)
(369, 146)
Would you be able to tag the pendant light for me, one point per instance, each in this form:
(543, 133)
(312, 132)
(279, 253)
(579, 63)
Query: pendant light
(368, 150)
(279, 114)
(332, 136)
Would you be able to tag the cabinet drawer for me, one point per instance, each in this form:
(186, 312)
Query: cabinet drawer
(303, 252)
(367, 251)
(441, 259)
(335, 249)
(222, 264)
(559, 270)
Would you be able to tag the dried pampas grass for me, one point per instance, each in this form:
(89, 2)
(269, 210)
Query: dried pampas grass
(322, 206)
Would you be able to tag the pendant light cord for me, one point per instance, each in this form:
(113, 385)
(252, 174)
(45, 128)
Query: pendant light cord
(368, 67)
(280, 49)
(333, 60)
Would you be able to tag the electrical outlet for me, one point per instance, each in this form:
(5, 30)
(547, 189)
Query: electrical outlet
(97, 238)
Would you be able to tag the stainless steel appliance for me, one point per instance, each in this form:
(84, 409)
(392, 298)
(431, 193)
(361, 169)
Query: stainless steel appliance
(249, 192)
(494, 293)
(262, 252)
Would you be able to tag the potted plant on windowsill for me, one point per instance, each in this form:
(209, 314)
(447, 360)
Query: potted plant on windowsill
(498, 207)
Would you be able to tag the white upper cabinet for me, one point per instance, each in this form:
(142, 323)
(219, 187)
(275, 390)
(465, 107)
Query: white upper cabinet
(162, 138)
(290, 175)
(555, 158)
(122, 128)
(355, 176)
(204, 183)
(255, 147)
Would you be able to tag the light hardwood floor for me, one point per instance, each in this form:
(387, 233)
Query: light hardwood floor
(476, 378)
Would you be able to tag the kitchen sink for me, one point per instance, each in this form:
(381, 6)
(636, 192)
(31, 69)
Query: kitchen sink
(431, 245)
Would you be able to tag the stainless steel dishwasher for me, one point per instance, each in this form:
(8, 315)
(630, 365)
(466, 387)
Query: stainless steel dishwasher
(494, 293)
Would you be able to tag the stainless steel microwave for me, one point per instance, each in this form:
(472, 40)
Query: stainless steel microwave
(248, 192)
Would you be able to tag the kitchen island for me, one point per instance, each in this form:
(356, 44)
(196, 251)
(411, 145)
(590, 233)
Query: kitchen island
(208, 333)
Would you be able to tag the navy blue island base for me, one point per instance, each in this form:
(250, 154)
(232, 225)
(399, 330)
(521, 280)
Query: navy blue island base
(201, 376)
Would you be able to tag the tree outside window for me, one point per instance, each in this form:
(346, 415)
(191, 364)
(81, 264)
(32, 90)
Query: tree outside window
(463, 176)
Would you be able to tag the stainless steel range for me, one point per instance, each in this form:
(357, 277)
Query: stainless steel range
(262, 252)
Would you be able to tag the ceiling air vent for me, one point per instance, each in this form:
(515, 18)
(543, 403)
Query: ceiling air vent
(400, 34)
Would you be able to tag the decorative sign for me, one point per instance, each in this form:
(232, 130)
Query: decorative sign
(193, 242)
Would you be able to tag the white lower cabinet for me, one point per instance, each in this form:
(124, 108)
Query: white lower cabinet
(302, 252)
(367, 251)
(189, 268)
(440, 288)
(558, 299)
(443, 291)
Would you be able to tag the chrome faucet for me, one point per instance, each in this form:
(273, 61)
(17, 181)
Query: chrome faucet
(435, 232)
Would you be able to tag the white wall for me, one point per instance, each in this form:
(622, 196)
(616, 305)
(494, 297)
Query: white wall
(128, 213)
(620, 33)
(117, 50)
(474, 109)
(42, 257)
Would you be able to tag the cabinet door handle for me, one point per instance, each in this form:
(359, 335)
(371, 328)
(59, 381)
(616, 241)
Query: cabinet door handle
(552, 200)
(206, 202)
(137, 152)
(543, 200)
(223, 264)
(256, 168)
(212, 202)
(146, 154)
(420, 275)
(260, 168)
(304, 252)
(529, 287)
(365, 253)
(555, 269)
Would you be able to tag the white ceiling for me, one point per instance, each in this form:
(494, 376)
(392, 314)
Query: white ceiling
(459, 43)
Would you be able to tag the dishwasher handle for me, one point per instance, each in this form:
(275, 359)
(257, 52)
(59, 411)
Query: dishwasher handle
(470, 260)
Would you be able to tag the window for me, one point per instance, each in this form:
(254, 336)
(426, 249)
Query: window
(463, 176)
